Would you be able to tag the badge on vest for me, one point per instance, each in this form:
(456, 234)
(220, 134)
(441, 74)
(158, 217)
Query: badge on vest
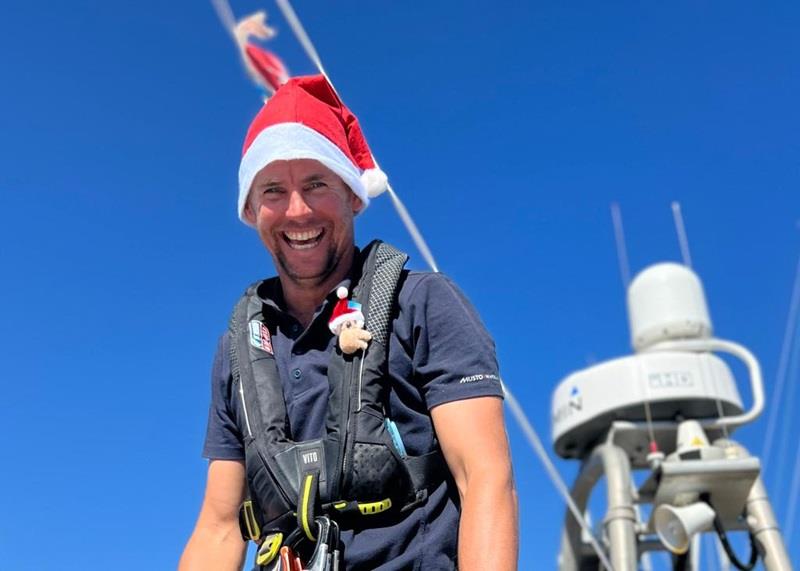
(259, 336)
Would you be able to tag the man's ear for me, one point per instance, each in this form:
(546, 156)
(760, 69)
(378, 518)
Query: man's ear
(356, 203)
(249, 214)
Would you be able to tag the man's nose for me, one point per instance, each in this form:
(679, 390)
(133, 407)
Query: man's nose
(297, 207)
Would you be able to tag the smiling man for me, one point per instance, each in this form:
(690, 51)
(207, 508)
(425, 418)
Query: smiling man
(303, 213)
(392, 456)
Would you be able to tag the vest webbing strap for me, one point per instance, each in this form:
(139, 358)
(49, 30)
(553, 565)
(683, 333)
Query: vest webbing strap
(308, 499)
(386, 270)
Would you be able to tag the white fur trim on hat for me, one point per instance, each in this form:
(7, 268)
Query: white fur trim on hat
(287, 141)
(355, 316)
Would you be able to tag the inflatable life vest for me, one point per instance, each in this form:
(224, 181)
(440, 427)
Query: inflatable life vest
(359, 468)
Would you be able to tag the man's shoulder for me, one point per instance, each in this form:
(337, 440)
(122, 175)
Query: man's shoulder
(432, 298)
(421, 287)
(416, 283)
(221, 367)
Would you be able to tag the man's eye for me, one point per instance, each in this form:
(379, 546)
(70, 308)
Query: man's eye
(271, 190)
(315, 184)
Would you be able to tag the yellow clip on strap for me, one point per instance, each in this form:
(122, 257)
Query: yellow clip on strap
(269, 549)
(364, 508)
(370, 508)
(249, 517)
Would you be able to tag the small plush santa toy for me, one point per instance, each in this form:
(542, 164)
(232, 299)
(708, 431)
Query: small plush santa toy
(347, 321)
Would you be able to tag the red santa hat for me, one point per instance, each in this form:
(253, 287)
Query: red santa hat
(305, 119)
(345, 310)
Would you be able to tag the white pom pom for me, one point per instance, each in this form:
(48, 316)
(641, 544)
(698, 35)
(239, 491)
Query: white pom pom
(374, 181)
(341, 292)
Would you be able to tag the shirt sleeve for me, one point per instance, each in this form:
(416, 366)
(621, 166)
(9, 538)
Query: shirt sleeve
(223, 438)
(453, 354)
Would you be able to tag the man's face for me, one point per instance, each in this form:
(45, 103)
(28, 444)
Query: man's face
(304, 214)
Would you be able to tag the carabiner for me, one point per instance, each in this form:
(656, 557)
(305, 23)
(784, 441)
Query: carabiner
(334, 546)
(319, 560)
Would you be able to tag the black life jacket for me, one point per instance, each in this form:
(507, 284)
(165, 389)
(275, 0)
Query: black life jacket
(355, 470)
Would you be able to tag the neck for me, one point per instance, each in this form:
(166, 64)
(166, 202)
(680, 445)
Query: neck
(303, 298)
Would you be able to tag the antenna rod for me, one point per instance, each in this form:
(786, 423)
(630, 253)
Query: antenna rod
(681, 231)
(622, 250)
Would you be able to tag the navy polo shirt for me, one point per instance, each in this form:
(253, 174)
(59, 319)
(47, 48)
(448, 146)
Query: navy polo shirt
(439, 351)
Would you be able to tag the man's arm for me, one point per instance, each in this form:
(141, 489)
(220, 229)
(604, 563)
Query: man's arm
(473, 439)
(216, 543)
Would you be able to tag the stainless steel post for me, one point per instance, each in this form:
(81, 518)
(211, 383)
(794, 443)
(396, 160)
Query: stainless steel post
(761, 519)
(620, 518)
(764, 527)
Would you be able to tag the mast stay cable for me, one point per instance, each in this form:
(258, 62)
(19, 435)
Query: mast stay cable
(225, 14)
(783, 366)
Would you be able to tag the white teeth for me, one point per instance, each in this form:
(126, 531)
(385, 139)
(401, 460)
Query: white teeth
(303, 240)
(303, 236)
(302, 246)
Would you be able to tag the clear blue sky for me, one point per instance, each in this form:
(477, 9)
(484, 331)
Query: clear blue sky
(507, 128)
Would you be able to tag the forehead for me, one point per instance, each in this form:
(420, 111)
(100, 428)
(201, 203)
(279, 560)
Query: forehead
(294, 170)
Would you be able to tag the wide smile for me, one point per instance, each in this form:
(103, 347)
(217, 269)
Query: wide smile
(304, 240)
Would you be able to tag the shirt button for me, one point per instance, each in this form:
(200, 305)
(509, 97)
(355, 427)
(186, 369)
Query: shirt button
(297, 373)
(295, 328)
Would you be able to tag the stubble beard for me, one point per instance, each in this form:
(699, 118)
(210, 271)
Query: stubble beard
(332, 261)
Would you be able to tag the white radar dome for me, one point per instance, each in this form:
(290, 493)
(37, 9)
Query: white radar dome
(666, 302)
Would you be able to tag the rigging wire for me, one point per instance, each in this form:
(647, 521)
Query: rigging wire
(225, 14)
(416, 235)
(555, 477)
(783, 366)
(302, 37)
(787, 369)
(529, 431)
(794, 494)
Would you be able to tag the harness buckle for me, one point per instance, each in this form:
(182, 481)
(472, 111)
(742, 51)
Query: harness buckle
(269, 548)
(420, 498)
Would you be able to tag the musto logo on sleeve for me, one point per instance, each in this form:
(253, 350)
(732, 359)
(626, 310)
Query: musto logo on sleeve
(476, 378)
